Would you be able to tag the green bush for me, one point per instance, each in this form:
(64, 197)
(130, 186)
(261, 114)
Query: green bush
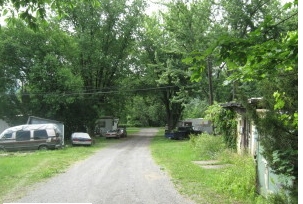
(281, 198)
(207, 146)
(239, 178)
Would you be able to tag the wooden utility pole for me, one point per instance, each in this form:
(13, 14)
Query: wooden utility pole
(210, 84)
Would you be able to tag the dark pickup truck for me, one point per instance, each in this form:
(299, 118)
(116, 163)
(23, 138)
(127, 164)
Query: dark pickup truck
(188, 130)
(182, 132)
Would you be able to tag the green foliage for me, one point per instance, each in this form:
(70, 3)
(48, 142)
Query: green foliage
(279, 126)
(213, 112)
(241, 167)
(145, 112)
(35, 12)
(87, 69)
(225, 123)
(266, 55)
(281, 198)
(239, 178)
(280, 143)
(44, 69)
(289, 120)
(195, 108)
(228, 127)
(165, 70)
(74, 74)
(105, 37)
(207, 146)
(235, 183)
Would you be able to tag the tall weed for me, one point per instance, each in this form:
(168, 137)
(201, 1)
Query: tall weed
(207, 146)
(238, 178)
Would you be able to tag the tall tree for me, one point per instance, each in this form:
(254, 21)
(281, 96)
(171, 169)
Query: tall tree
(37, 65)
(188, 29)
(194, 27)
(164, 69)
(105, 34)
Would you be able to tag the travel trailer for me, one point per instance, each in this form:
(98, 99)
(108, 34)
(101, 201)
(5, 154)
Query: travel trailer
(198, 124)
(104, 124)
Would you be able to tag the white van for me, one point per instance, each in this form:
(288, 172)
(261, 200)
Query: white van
(31, 137)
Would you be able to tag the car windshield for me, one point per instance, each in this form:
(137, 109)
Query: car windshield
(83, 135)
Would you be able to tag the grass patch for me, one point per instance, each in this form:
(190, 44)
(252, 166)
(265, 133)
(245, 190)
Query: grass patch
(18, 170)
(131, 130)
(232, 184)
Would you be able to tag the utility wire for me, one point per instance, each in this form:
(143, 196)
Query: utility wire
(94, 92)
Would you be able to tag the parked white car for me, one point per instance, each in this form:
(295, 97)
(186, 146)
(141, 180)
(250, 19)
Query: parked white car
(81, 138)
(112, 134)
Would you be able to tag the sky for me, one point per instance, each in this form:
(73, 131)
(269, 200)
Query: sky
(153, 6)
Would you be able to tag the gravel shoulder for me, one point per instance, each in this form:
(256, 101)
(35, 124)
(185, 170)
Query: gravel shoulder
(120, 173)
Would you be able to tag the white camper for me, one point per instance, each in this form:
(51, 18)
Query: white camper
(198, 124)
(104, 124)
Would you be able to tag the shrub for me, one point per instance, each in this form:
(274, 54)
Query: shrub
(207, 146)
(239, 178)
(225, 123)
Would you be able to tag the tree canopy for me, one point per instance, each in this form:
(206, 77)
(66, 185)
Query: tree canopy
(75, 61)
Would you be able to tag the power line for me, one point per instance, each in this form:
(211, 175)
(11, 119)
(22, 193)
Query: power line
(94, 92)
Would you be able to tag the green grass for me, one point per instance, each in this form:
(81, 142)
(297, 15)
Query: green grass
(19, 170)
(131, 130)
(229, 185)
(232, 184)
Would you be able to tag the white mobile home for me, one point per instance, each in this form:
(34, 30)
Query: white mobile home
(199, 124)
(104, 124)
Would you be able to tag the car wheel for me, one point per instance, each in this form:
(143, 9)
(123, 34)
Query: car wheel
(43, 147)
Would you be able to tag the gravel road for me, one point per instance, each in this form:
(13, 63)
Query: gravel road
(120, 173)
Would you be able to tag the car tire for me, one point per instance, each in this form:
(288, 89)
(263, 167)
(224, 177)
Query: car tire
(43, 147)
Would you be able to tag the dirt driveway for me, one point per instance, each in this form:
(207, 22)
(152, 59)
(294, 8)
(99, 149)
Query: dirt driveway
(121, 173)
